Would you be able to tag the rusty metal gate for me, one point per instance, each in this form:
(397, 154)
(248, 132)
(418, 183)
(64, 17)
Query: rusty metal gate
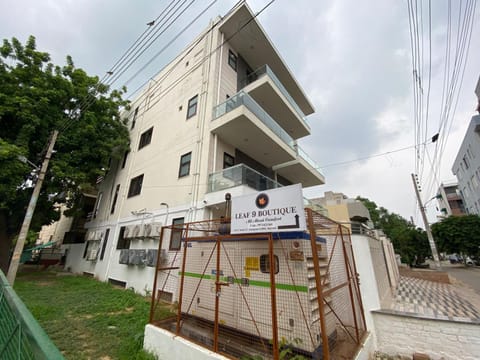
(271, 295)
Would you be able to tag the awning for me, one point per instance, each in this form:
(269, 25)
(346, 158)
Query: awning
(41, 246)
(27, 254)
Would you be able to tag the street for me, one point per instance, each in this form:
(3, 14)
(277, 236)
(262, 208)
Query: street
(468, 275)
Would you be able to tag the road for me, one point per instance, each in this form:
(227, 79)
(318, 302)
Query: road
(468, 275)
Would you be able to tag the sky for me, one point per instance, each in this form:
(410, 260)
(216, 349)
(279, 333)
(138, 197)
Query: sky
(353, 60)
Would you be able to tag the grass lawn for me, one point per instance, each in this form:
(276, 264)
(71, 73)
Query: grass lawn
(85, 318)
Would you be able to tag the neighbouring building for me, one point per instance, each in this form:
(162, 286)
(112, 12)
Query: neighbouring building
(466, 167)
(69, 229)
(343, 209)
(449, 200)
(224, 116)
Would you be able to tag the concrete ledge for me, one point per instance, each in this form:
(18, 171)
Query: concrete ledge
(166, 345)
(454, 319)
(426, 274)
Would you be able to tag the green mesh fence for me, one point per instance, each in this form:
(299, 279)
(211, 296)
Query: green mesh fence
(21, 337)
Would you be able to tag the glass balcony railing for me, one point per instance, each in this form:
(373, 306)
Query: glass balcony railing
(308, 159)
(240, 175)
(242, 98)
(265, 70)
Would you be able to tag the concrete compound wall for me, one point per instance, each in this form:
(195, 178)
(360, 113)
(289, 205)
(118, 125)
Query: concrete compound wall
(166, 345)
(440, 339)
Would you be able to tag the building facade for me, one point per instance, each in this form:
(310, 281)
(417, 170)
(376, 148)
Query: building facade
(224, 116)
(466, 167)
(449, 200)
(343, 209)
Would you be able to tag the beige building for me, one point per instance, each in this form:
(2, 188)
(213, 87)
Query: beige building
(343, 209)
(224, 116)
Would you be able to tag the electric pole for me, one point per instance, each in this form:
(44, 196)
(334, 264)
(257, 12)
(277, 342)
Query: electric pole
(436, 259)
(12, 270)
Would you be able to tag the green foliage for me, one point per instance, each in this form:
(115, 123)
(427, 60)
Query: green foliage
(85, 318)
(410, 242)
(37, 97)
(458, 234)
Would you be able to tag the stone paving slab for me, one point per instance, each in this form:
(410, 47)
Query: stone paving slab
(435, 300)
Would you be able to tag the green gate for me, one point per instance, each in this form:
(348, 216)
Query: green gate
(21, 337)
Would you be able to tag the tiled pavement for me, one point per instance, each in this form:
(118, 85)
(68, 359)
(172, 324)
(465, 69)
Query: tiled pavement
(436, 300)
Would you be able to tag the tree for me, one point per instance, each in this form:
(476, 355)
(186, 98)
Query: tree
(37, 97)
(458, 234)
(410, 242)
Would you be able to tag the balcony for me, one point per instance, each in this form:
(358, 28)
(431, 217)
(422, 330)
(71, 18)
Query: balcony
(266, 89)
(302, 170)
(241, 122)
(239, 175)
(241, 179)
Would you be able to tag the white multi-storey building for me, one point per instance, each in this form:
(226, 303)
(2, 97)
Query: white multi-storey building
(224, 116)
(466, 166)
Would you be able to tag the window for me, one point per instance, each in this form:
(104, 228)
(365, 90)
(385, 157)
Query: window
(122, 243)
(232, 60)
(192, 107)
(466, 162)
(135, 186)
(185, 165)
(104, 245)
(115, 197)
(265, 264)
(176, 236)
(228, 160)
(474, 182)
(145, 138)
(134, 119)
(125, 156)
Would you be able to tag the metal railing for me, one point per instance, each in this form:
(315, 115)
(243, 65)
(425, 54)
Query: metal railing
(265, 70)
(242, 98)
(240, 175)
(21, 337)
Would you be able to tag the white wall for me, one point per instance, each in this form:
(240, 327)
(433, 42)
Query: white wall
(368, 284)
(166, 345)
(403, 335)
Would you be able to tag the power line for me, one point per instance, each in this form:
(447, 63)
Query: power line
(371, 156)
(129, 57)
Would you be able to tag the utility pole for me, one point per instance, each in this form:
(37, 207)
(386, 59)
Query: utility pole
(12, 270)
(436, 259)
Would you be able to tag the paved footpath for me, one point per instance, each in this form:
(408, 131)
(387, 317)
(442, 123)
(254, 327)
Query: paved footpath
(423, 298)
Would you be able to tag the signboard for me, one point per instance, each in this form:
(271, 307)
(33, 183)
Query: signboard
(276, 210)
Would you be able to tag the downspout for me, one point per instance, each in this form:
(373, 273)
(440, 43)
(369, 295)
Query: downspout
(202, 124)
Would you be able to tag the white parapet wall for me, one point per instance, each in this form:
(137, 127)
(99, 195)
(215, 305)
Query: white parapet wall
(166, 345)
(404, 335)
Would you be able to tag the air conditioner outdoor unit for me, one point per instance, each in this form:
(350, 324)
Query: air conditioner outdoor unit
(137, 231)
(163, 257)
(124, 254)
(148, 231)
(128, 232)
(152, 230)
(137, 256)
(92, 255)
(151, 257)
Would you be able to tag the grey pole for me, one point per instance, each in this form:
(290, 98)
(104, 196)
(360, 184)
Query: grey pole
(12, 270)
